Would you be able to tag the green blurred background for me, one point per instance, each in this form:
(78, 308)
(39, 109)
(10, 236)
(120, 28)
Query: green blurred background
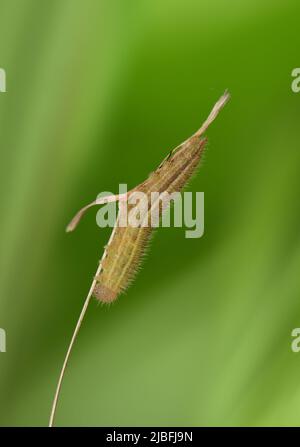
(97, 93)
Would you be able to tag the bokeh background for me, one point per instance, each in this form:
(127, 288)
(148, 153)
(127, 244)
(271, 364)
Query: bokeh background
(97, 93)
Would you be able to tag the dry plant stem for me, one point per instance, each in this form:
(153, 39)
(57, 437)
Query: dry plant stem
(76, 330)
(108, 199)
(61, 376)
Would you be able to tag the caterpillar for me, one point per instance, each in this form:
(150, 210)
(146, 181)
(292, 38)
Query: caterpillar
(127, 244)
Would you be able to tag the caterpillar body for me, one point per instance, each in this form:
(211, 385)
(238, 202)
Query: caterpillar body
(124, 253)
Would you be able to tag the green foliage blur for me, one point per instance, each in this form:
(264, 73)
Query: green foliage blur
(97, 93)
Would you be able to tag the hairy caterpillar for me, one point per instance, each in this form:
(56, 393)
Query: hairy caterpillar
(124, 253)
(127, 244)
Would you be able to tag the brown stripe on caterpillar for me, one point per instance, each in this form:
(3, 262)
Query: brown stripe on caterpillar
(124, 252)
